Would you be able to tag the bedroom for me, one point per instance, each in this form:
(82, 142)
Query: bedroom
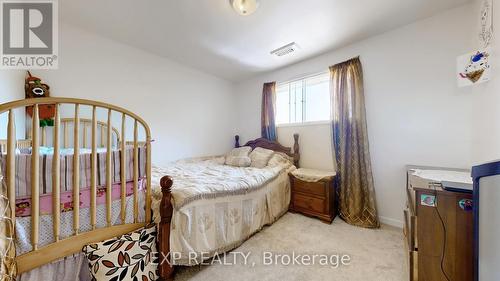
(194, 73)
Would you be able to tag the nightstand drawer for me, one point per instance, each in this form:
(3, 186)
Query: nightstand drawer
(309, 203)
(314, 188)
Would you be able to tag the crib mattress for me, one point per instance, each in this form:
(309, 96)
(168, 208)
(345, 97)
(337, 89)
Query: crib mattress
(23, 224)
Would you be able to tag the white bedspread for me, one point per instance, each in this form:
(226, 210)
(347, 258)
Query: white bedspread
(217, 207)
(210, 179)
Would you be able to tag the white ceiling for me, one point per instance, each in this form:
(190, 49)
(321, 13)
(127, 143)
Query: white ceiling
(210, 36)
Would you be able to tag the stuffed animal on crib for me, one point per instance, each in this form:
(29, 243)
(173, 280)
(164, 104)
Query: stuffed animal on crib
(34, 88)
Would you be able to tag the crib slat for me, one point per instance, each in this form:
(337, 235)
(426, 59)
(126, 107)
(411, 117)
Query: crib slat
(35, 187)
(44, 136)
(148, 180)
(11, 165)
(102, 136)
(65, 139)
(93, 172)
(123, 170)
(84, 135)
(76, 170)
(56, 177)
(108, 170)
(136, 173)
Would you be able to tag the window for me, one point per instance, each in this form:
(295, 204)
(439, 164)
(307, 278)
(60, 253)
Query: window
(303, 100)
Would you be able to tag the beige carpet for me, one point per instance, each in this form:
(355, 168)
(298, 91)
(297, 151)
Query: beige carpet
(376, 255)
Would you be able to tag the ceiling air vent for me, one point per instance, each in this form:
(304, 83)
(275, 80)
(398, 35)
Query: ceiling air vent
(285, 50)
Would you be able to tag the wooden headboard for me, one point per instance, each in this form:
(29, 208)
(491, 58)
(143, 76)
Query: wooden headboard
(272, 145)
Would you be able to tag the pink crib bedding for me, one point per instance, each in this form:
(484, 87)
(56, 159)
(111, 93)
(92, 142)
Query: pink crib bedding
(23, 204)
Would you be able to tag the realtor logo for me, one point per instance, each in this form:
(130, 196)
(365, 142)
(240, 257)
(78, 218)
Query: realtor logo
(29, 35)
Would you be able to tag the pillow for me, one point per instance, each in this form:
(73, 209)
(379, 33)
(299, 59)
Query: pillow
(260, 157)
(280, 159)
(219, 160)
(132, 256)
(239, 161)
(238, 157)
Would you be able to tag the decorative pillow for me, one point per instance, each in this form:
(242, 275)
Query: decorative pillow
(132, 256)
(236, 157)
(260, 157)
(239, 161)
(280, 159)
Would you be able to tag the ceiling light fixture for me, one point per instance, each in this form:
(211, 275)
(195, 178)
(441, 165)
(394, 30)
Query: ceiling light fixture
(244, 7)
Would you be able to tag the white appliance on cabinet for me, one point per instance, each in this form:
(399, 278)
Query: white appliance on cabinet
(487, 221)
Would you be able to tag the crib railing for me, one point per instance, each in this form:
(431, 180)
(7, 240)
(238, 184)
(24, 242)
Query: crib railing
(19, 144)
(63, 247)
(85, 126)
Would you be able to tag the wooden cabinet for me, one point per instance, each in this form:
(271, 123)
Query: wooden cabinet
(315, 199)
(445, 235)
(439, 233)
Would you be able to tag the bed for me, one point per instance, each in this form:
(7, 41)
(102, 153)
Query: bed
(214, 207)
(201, 206)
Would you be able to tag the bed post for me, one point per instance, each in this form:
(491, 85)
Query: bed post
(166, 270)
(236, 141)
(296, 150)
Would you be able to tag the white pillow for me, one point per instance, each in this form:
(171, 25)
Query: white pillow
(260, 157)
(280, 159)
(239, 157)
(238, 161)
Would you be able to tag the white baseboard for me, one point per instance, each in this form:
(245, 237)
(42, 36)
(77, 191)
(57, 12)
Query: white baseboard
(391, 222)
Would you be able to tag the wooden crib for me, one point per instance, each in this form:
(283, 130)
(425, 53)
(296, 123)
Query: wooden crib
(89, 129)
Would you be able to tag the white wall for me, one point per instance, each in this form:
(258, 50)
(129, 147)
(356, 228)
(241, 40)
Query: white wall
(486, 138)
(316, 149)
(415, 112)
(190, 113)
(12, 88)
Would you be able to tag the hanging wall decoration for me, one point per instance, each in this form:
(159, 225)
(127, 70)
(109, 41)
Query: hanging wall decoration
(486, 31)
(475, 67)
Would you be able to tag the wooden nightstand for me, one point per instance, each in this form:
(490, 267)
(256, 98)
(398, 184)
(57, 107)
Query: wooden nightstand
(314, 197)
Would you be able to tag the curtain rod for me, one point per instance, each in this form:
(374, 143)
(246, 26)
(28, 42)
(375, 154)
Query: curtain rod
(311, 74)
(303, 76)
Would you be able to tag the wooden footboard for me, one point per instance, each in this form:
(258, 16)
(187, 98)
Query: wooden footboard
(166, 270)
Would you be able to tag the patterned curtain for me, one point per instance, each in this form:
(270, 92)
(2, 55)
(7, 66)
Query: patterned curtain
(350, 142)
(268, 128)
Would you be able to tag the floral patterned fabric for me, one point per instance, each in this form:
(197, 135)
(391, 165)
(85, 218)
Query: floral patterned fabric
(132, 256)
(8, 268)
(23, 205)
